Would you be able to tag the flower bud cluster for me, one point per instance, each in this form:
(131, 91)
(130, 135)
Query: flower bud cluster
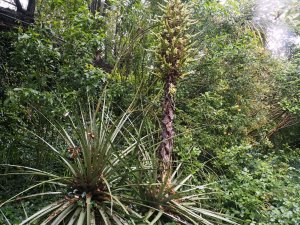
(175, 47)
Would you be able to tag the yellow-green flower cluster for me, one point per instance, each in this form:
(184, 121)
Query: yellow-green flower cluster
(175, 48)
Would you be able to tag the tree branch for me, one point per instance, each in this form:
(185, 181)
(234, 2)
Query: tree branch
(19, 6)
(31, 7)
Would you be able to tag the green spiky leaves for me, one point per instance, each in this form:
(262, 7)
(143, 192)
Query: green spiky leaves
(97, 146)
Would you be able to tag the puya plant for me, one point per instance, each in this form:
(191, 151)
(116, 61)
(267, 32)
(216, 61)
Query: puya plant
(173, 54)
(168, 195)
(98, 171)
(174, 198)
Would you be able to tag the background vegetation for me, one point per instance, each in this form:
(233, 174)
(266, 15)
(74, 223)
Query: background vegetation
(237, 112)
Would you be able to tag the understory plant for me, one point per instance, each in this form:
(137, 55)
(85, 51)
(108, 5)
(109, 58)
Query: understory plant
(174, 198)
(94, 155)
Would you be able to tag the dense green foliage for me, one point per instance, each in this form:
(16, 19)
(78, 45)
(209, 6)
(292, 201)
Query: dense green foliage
(237, 113)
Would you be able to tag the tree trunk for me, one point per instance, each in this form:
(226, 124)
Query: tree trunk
(99, 6)
(100, 59)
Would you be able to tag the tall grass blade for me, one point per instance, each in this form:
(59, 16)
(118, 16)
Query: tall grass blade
(5, 217)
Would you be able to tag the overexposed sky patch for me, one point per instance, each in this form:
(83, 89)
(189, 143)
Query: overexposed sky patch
(280, 36)
(10, 4)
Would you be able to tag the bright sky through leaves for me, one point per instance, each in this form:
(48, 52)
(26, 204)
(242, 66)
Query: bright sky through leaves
(10, 3)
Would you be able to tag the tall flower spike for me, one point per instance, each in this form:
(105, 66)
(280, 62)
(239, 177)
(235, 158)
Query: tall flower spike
(173, 54)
